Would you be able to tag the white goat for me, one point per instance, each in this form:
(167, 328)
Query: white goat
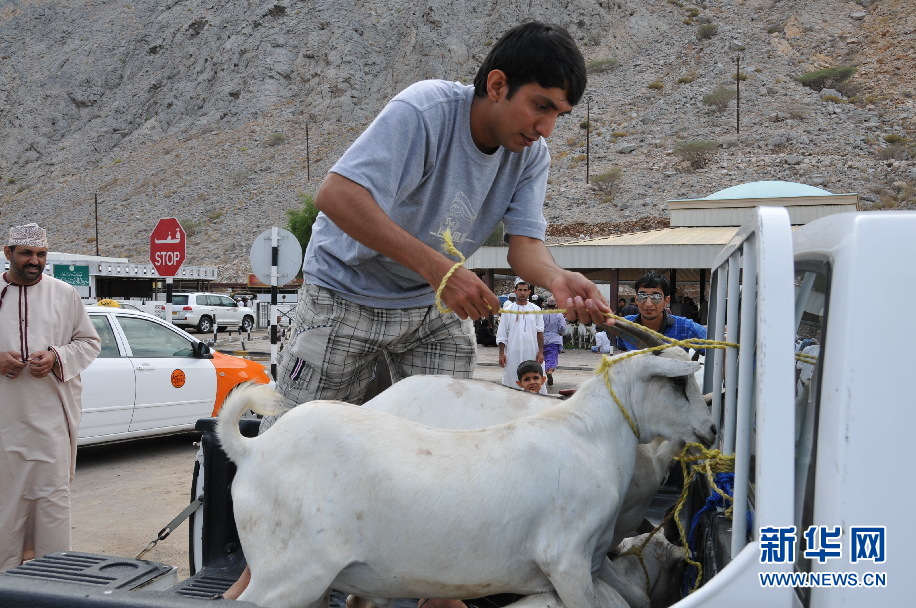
(444, 402)
(521, 508)
(655, 571)
(583, 336)
(660, 569)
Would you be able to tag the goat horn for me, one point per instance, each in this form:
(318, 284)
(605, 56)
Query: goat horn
(635, 334)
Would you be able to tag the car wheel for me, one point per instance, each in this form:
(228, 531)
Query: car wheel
(247, 324)
(205, 325)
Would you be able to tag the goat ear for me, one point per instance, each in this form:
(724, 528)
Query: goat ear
(672, 368)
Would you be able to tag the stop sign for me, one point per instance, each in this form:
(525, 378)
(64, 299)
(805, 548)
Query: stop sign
(167, 247)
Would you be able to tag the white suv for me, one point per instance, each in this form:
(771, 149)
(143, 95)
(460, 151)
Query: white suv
(202, 311)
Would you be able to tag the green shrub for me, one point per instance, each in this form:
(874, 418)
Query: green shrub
(832, 98)
(796, 111)
(607, 181)
(707, 31)
(685, 79)
(773, 29)
(828, 78)
(275, 139)
(893, 138)
(496, 238)
(299, 221)
(584, 124)
(896, 151)
(601, 65)
(693, 12)
(720, 99)
(190, 226)
(656, 85)
(239, 178)
(740, 76)
(697, 152)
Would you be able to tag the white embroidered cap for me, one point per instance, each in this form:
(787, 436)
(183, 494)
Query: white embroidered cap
(30, 235)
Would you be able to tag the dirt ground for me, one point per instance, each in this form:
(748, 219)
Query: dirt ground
(124, 493)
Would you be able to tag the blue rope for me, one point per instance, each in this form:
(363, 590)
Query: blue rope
(715, 501)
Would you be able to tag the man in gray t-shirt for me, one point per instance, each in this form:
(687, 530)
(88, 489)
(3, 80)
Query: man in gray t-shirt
(440, 158)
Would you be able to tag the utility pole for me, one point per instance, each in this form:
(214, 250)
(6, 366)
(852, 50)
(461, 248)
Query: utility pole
(588, 130)
(738, 94)
(308, 160)
(96, 224)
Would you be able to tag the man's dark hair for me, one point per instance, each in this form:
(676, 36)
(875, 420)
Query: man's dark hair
(536, 52)
(528, 367)
(653, 279)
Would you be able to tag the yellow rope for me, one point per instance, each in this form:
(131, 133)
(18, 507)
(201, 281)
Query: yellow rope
(704, 461)
(605, 367)
(606, 362)
(806, 358)
(708, 462)
(450, 248)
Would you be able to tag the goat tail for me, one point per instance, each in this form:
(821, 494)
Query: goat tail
(259, 398)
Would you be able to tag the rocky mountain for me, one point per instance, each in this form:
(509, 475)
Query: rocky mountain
(221, 113)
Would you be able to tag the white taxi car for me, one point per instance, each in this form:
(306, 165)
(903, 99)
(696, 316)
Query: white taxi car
(152, 378)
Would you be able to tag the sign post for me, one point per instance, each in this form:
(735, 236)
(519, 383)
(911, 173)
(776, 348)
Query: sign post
(167, 254)
(276, 257)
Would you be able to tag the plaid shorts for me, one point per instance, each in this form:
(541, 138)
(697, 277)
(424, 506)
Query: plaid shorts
(334, 345)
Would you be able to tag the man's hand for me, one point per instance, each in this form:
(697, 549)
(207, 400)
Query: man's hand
(40, 363)
(502, 359)
(540, 357)
(10, 364)
(467, 295)
(580, 297)
(532, 261)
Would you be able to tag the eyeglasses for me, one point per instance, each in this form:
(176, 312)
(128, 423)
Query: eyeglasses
(656, 297)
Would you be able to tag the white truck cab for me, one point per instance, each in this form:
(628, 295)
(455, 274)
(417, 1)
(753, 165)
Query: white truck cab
(821, 442)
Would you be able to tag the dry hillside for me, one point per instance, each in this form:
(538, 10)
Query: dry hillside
(221, 113)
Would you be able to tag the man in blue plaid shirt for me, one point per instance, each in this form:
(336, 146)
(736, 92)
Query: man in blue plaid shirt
(653, 295)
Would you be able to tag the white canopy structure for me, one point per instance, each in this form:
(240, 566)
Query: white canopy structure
(700, 228)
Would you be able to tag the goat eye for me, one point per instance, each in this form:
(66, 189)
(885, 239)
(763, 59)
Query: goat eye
(680, 381)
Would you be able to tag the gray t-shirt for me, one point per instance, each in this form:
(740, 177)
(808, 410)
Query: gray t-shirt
(421, 166)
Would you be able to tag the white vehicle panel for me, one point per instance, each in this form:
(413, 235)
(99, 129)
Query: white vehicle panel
(108, 397)
(108, 385)
(173, 388)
